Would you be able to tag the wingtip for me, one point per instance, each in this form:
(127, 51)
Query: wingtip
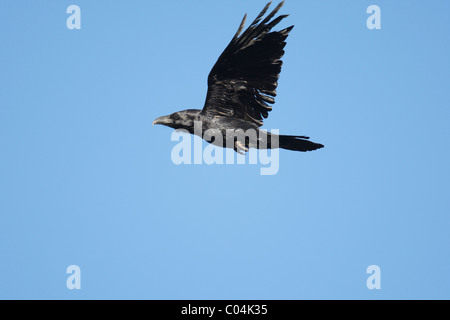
(241, 26)
(280, 4)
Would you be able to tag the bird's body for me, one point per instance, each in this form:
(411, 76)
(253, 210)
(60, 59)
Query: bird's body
(241, 86)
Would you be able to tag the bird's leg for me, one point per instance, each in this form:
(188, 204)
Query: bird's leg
(240, 148)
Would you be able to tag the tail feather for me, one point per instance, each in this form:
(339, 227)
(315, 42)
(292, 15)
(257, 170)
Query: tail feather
(298, 143)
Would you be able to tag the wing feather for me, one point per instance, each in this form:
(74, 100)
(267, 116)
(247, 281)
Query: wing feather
(244, 80)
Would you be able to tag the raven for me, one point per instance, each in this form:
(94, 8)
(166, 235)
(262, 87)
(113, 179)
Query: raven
(241, 85)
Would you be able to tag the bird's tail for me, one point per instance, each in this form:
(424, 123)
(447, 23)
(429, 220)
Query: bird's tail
(298, 143)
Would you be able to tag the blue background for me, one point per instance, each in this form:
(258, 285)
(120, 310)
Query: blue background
(86, 180)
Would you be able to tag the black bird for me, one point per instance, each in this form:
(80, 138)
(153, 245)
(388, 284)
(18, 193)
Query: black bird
(241, 85)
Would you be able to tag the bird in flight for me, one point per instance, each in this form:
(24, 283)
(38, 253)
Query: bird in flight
(241, 86)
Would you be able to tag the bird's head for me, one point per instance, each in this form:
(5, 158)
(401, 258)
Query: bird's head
(179, 120)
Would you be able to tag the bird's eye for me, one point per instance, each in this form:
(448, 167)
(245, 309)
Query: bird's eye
(175, 116)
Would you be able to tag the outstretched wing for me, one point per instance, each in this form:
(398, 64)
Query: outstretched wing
(244, 79)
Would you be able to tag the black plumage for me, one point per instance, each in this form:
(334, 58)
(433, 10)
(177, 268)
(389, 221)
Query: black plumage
(241, 89)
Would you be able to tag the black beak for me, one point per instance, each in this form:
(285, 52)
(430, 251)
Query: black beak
(164, 120)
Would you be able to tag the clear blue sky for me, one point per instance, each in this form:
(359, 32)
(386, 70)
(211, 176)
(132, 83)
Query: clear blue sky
(86, 180)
